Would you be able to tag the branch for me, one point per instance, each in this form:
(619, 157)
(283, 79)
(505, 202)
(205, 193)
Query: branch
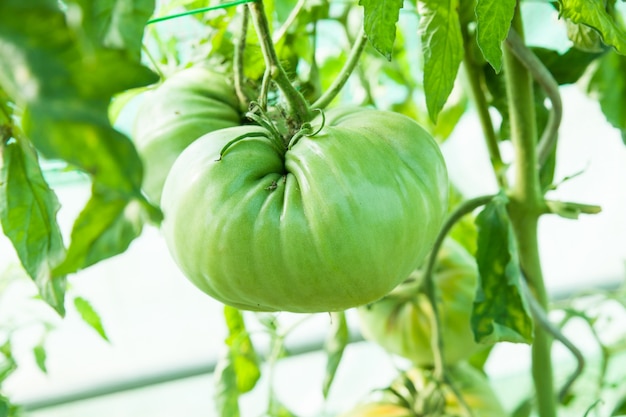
(540, 316)
(544, 78)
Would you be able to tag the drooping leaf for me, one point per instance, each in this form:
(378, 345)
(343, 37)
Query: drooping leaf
(379, 23)
(608, 85)
(54, 64)
(28, 209)
(245, 359)
(334, 347)
(442, 46)
(493, 20)
(90, 316)
(238, 370)
(39, 352)
(500, 312)
(584, 38)
(593, 13)
(105, 227)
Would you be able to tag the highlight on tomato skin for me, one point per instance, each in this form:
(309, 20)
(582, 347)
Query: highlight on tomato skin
(335, 221)
(401, 322)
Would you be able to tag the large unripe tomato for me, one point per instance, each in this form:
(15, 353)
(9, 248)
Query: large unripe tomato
(188, 104)
(416, 393)
(401, 321)
(334, 222)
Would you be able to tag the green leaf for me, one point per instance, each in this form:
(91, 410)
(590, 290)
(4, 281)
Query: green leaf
(569, 67)
(620, 408)
(500, 312)
(493, 21)
(608, 85)
(379, 23)
(524, 409)
(593, 13)
(442, 46)
(334, 347)
(106, 227)
(238, 370)
(585, 38)
(58, 69)
(28, 209)
(90, 316)
(39, 352)
(120, 24)
(7, 363)
(226, 393)
(244, 357)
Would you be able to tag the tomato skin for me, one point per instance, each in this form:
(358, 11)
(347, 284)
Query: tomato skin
(404, 399)
(335, 222)
(401, 321)
(187, 105)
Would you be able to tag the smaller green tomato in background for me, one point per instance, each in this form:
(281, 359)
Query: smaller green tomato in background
(187, 105)
(416, 393)
(401, 321)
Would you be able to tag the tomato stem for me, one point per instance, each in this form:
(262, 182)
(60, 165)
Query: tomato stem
(428, 284)
(298, 106)
(475, 77)
(525, 206)
(347, 70)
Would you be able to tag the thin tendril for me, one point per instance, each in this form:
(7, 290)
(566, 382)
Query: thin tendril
(197, 11)
(237, 139)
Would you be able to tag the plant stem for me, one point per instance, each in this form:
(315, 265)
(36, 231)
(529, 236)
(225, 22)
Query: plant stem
(298, 106)
(428, 284)
(525, 207)
(482, 107)
(346, 71)
(544, 78)
(238, 60)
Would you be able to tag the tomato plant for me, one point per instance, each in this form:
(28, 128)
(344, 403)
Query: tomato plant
(336, 220)
(294, 145)
(401, 322)
(184, 107)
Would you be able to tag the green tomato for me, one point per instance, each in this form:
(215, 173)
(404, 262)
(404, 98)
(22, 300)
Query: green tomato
(401, 321)
(187, 105)
(416, 393)
(334, 222)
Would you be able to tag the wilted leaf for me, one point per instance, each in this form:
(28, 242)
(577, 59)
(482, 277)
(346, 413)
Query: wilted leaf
(500, 312)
